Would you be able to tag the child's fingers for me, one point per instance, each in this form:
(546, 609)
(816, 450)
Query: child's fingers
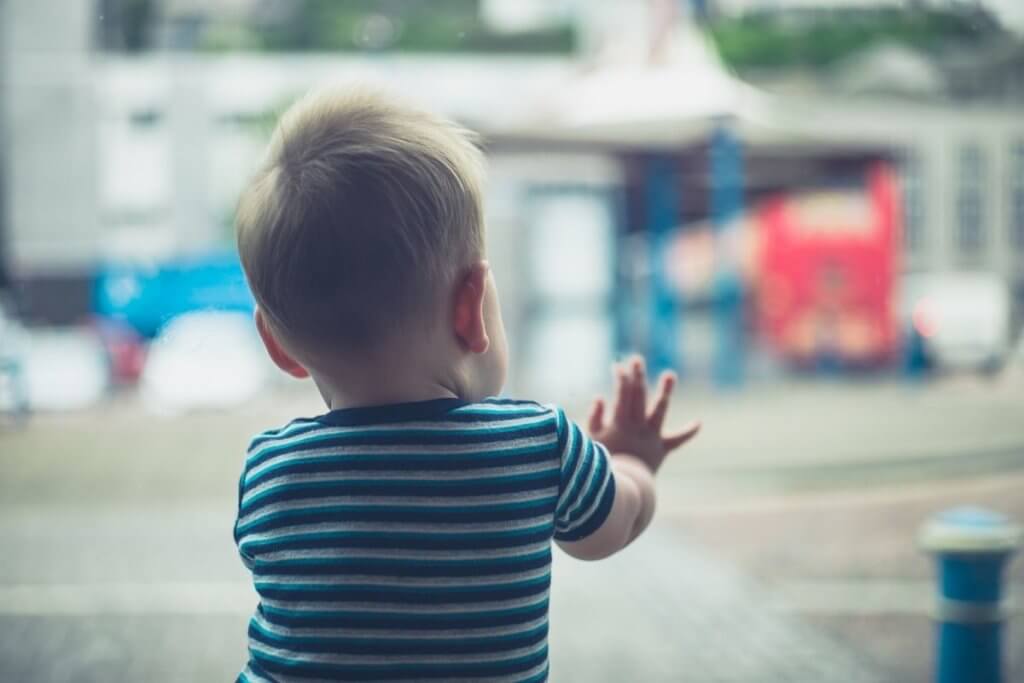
(666, 383)
(639, 404)
(675, 441)
(621, 402)
(595, 424)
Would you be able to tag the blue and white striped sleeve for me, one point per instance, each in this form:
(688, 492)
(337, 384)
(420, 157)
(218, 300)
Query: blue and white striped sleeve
(587, 488)
(247, 560)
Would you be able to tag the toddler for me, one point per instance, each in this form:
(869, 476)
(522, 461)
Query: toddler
(406, 533)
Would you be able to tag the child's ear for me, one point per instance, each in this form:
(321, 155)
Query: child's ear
(468, 319)
(277, 352)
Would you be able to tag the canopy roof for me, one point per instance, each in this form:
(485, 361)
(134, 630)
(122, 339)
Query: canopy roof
(641, 100)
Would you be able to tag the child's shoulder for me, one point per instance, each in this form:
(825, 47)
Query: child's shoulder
(539, 416)
(501, 405)
(294, 428)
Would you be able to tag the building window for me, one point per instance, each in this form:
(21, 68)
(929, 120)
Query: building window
(970, 210)
(913, 202)
(1017, 196)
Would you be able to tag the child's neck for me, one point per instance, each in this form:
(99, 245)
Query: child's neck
(355, 394)
(390, 376)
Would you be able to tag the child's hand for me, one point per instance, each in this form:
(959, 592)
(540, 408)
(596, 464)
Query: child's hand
(632, 428)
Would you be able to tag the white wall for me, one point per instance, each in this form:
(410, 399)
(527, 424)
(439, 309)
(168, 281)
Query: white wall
(49, 148)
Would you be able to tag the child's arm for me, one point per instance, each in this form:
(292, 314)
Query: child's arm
(633, 435)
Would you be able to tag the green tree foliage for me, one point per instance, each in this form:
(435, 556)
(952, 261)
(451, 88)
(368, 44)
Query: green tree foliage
(328, 26)
(820, 39)
(402, 25)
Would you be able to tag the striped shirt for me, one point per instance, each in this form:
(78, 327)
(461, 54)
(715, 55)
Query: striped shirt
(413, 541)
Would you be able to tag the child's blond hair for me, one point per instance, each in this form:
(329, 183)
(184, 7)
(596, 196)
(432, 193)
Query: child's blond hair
(361, 214)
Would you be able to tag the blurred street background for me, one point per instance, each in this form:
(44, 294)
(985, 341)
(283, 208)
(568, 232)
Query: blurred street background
(813, 210)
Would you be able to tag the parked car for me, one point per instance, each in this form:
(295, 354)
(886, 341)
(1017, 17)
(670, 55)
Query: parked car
(66, 368)
(204, 360)
(961, 319)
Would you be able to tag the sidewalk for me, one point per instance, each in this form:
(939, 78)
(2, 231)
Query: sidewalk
(665, 610)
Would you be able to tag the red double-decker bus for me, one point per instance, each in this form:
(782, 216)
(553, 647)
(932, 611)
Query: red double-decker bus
(827, 266)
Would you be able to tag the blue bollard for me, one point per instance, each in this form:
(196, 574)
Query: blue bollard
(728, 185)
(663, 191)
(971, 546)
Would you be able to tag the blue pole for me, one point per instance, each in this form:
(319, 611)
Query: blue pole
(621, 303)
(662, 219)
(971, 547)
(727, 182)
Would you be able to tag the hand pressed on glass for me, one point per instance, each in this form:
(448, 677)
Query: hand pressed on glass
(634, 427)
